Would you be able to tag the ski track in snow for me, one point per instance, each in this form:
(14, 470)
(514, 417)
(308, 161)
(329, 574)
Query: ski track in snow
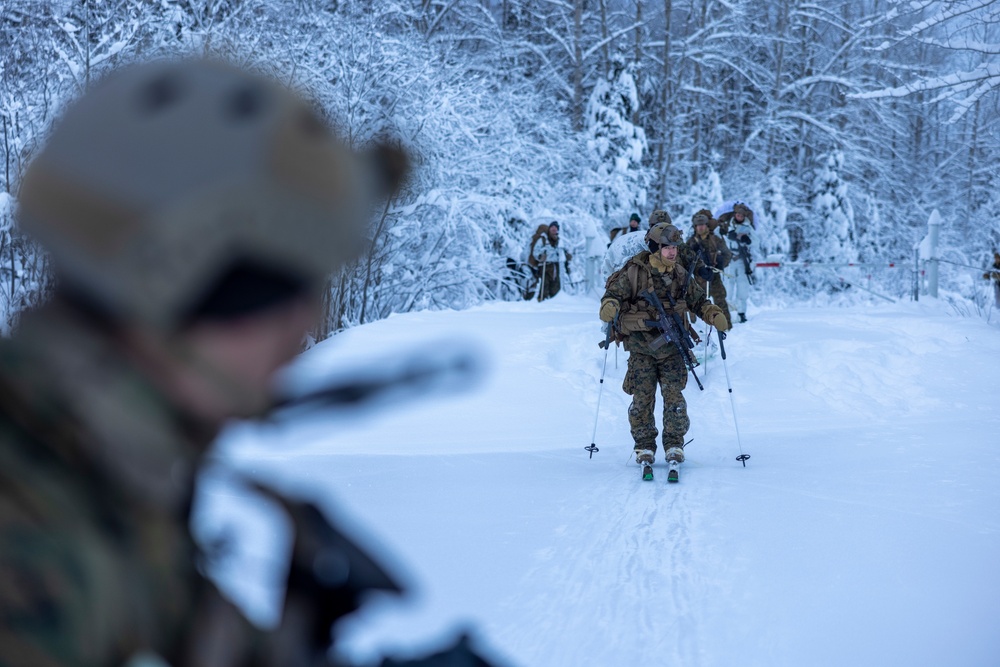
(863, 531)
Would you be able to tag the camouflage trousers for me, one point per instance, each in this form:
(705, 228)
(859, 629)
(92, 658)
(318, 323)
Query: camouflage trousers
(644, 373)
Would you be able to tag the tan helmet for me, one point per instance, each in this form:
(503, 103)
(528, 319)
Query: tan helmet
(165, 174)
(702, 217)
(663, 234)
(658, 216)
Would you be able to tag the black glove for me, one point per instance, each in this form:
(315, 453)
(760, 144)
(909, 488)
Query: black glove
(745, 238)
(704, 273)
(720, 262)
(731, 235)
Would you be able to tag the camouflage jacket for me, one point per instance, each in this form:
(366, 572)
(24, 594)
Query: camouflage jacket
(637, 276)
(710, 250)
(96, 482)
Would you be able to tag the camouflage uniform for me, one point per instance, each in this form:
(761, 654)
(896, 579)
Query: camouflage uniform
(705, 254)
(651, 360)
(160, 185)
(97, 470)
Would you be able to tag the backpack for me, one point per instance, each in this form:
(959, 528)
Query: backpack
(541, 232)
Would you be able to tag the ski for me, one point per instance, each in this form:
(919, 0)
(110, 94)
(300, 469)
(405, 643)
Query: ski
(647, 472)
(673, 475)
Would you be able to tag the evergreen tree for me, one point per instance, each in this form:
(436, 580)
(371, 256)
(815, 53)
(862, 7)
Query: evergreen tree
(831, 236)
(616, 144)
(770, 221)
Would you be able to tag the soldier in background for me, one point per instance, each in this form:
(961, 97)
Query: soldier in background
(192, 212)
(633, 226)
(995, 276)
(739, 273)
(708, 255)
(548, 260)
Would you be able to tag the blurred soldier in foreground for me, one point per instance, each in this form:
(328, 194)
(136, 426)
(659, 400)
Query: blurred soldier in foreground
(192, 212)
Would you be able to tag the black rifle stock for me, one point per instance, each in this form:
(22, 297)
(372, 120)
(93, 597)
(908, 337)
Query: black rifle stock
(745, 256)
(672, 330)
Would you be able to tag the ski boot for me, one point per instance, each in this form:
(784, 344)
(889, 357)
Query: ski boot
(644, 457)
(675, 456)
(743, 317)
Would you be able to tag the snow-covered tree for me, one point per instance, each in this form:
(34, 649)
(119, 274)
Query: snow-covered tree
(617, 146)
(770, 219)
(831, 235)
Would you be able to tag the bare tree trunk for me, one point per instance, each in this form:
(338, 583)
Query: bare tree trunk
(578, 64)
(605, 47)
(779, 62)
(666, 128)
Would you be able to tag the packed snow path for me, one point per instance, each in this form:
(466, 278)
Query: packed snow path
(865, 529)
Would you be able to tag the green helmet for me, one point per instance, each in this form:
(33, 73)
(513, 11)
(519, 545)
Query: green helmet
(165, 175)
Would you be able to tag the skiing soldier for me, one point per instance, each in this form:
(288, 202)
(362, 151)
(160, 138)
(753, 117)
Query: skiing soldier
(739, 273)
(708, 255)
(192, 212)
(650, 361)
(548, 260)
(995, 276)
(633, 226)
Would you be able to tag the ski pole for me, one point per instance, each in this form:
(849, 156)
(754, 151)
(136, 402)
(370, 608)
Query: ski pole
(606, 344)
(541, 291)
(742, 458)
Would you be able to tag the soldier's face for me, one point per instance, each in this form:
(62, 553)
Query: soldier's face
(739, 217)
(668, 252)
(554, 232)
(634, 224)
(700, 229)
(232, 363)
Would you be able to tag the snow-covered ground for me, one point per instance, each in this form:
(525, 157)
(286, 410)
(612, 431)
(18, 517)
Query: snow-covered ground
(865, 529)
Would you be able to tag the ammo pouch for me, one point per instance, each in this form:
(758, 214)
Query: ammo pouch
(634, 320)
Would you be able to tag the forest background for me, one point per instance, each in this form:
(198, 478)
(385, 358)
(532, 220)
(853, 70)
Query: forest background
(844, 124)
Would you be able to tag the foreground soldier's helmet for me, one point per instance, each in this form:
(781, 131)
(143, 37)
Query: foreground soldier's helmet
(662, 234)
(658, 216)
(740, 208)
(166, 176)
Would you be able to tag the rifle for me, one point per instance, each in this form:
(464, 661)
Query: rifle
(745, 256)
(672, 330)
(700, 255)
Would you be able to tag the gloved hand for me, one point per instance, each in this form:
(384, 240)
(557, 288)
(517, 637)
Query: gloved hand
(731, 235)
(704, 273)
(609, 309)
(713, 315)
(720, 262)
(745, 238)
